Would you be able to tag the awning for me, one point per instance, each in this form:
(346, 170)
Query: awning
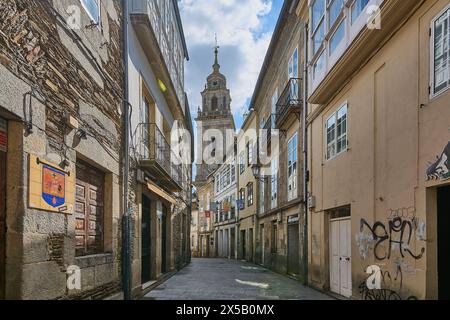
(160, 192)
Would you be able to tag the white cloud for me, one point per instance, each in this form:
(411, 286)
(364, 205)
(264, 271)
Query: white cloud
(239, 25)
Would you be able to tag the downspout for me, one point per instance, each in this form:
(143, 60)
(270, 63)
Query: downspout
(305, 156)
(126, 253)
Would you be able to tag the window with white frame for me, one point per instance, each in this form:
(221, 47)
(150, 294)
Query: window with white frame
(328, 30)
(440, 46)
(241, 162)
(262, 195)
(274, 182)
(292, 167)
(357, 8)
(233, 173)
(336, 128)
(274, 107)
(250, 194)
(293, 73)
(92, 7)
(250, 153)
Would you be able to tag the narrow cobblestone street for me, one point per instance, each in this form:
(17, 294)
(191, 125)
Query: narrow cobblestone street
(221, 279)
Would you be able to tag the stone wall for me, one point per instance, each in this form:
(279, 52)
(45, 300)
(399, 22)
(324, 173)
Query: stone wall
(51, 71)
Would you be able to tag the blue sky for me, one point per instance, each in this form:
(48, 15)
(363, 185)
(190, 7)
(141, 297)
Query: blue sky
(244, 29)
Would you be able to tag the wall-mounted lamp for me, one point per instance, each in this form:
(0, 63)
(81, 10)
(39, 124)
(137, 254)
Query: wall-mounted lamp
(81, 134)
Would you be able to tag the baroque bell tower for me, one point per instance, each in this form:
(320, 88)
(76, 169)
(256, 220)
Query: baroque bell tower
(214, 116)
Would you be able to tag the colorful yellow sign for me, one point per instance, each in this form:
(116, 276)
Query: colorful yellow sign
(50, 187)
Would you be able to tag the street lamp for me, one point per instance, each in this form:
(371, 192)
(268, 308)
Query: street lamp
(256, 169)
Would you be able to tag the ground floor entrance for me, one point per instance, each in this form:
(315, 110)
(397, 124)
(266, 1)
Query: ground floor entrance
(340, 257)
(3, 143)
(293, 256)
(164, 240)
(443, 220)
(146, 240)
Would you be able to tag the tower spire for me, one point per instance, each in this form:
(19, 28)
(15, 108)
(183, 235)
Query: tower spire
(216, 65)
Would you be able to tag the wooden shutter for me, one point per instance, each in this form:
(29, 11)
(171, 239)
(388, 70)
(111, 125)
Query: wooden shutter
(89, 210)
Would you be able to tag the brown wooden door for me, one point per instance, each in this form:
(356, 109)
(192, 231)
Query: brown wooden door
(89, 212)
(2, 222)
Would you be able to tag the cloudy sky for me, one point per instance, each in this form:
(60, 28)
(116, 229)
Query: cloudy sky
(244, 29)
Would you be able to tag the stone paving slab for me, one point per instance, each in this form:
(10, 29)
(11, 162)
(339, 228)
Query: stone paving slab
(221, 279)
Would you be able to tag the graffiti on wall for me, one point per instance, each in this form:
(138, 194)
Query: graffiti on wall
(392, 245)
(440, 169)
(397, 235)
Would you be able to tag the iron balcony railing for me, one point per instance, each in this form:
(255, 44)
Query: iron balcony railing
(154, 148)
(290, 100)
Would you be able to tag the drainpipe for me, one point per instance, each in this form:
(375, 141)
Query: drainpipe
(126, 252)
(305, 156)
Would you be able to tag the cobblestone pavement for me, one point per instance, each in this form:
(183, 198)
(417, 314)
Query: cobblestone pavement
(221, 279)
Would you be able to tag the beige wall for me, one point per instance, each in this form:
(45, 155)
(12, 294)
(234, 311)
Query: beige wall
(391, 142)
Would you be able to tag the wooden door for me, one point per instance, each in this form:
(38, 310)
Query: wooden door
(2, 222)
(89, 213)
(340, 257)
(345, 260)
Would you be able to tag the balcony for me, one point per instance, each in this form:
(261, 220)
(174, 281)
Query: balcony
(212, 114)
(156, 156)
(290, 102)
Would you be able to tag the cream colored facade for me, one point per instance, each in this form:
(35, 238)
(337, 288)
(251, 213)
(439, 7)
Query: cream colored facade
(205, 229)
(394, 202)
(247, 208)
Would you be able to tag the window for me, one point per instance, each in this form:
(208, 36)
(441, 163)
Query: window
(92, 7)
(293, 73)
(214, 103)
(274, 107)
(262, 197)
(357, 8)
(250, 153)
(233, 173)
(292, 167)
(274, 238)
(274, 182)
(328, 29)
(218, 183)
(336, 128)
(242, 199)
(440, 78)
(241, 163)
(250, 194)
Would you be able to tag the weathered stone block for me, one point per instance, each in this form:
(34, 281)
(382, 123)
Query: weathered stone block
(43, 281)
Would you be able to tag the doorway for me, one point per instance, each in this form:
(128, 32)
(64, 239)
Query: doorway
(293, 266)
(243, 245)
(164, 241)
(250, 242)
(340, 257)
(3, 141)
(443, 199)
(262, 240)
(232, 243)
(146, 240)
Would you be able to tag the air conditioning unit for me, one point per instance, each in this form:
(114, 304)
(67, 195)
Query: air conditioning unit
(311, 202)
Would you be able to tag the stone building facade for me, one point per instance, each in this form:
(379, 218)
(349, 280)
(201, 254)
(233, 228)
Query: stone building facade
(277, 100)
(60, 148)
(215, 123)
